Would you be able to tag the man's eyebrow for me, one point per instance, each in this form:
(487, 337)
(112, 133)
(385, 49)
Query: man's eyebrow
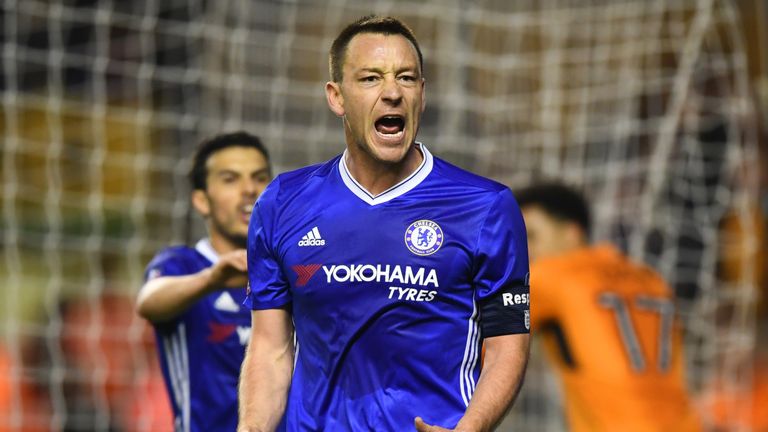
(261, 171)
(226, 171)
(371, 69)
(402, 69)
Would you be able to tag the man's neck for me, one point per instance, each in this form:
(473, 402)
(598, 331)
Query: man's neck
(377, 177)
(221, 244)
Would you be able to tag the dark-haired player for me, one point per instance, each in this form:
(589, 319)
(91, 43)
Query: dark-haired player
(193, 295)
(609, 323)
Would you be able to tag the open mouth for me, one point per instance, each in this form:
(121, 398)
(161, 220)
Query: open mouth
(390, 125)
(245, 211)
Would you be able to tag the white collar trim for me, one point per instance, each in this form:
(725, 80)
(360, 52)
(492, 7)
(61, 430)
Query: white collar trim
(408, 183)
(206, 249)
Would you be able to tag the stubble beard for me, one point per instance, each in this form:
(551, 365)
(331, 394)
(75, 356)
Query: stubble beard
(237, 240)
(370, 150)
(241, 241)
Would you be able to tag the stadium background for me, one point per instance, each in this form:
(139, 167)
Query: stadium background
(654, 108)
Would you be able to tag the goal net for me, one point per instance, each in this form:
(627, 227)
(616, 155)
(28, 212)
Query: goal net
(645, 105)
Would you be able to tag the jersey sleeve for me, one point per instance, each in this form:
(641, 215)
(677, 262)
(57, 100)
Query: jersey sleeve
(172, 261)
(501, 278)
(268, 287)
(168, 262)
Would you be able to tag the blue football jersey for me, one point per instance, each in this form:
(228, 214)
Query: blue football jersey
(391, 294)
(202, 349)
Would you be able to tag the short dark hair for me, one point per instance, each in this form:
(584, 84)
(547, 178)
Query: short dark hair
(559, 201)
(367, 24)
(199, 171)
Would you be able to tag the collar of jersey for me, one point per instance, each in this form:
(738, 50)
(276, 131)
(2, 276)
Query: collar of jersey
(408, 183)
(206, 249)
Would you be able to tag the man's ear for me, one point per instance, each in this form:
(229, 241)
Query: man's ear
(200, 202)
(576, 236)
(423, 95)
(334, 98)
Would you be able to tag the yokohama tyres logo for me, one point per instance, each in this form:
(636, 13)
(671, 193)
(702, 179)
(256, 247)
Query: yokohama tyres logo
(379, 273)
(305, 273)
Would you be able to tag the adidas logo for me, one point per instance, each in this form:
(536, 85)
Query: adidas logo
(312, 238)
(226, 303)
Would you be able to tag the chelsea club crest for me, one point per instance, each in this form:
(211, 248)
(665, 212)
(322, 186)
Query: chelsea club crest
(424, 237)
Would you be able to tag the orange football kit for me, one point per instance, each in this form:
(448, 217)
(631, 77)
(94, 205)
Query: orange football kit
(609, 329)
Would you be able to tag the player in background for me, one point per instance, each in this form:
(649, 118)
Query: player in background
(608, 323)
(391, 264)
(193, 295)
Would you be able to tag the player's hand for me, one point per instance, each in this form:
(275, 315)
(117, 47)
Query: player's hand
(231, 271)
(423, 427)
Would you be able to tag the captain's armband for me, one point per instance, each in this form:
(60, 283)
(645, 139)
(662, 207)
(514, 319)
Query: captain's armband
(506, 311)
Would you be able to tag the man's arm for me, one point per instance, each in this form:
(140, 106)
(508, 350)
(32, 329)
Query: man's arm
(500, 381)
(165, 297)
(267, 370)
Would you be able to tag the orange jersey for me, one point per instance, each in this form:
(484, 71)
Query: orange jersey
(6, 388)
(610, 331)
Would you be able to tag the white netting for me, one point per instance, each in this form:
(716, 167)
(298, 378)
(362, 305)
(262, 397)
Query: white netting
(645, 104)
